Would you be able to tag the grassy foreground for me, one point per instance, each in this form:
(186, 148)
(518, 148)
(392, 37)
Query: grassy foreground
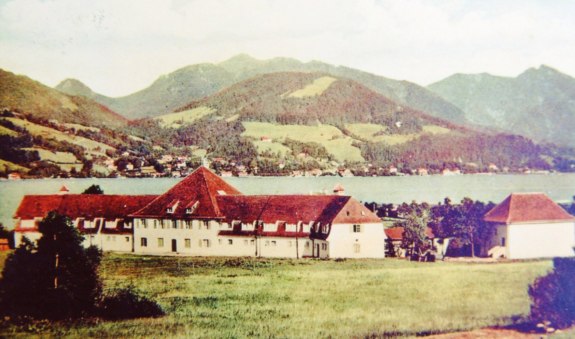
(240, 297)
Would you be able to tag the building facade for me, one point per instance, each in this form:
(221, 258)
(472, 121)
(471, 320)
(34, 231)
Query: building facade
(203, 215)
(531, 225)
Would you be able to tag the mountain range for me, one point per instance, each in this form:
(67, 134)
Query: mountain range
(299, 115)
(539, 103)
(178, 88)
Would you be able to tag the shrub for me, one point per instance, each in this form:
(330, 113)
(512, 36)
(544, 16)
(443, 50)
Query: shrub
(126, 303)
(553, 295)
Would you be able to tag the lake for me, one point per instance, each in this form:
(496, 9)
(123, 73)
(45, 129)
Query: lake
(560, 187)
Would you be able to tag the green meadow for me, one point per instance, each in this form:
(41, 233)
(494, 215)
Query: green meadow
(247, 297)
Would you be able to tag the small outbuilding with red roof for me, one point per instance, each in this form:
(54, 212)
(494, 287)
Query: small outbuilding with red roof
(531, 225)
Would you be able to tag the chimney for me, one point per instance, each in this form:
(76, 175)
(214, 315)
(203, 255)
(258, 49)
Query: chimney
(338, 189)
(63, 190)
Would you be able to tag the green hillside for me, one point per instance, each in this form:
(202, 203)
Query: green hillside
(29, 97)
(315, 120)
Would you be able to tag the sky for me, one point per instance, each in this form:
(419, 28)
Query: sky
(117, 47)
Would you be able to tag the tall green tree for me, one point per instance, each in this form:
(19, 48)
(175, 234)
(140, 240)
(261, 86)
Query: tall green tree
(415, 221)
(56, 279)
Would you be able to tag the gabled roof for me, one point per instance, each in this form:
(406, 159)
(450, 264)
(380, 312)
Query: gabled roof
(396, 233)
(202, 186)
(326, 209)
(526, 208)
(86, 206)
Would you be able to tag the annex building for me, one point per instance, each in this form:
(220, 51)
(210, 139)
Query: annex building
(531, 225)
(203, 215)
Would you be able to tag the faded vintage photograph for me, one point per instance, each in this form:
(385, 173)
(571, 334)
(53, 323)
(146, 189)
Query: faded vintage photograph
(287, 169)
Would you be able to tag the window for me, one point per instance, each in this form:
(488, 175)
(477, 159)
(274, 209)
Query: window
(252, 242)
(356, 248)
(127, 239)
(356, 228)
(143, 242)
(290, 243)
(188, 224)
(80, 223)
(174, 224)
(230, 241)
(163, 223)
(205, 243)
(160, 242)
(108, 238)
(207, 224)
(503, 241)
(267, 242)
(246, 242)
(155, 223)
(145, 223)
(187, 243)
(307, 244)
(98, 223)
(274, 243)
(324, 246)
(219, 241)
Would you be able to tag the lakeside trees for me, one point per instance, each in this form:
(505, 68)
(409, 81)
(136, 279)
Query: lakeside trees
(462, 222)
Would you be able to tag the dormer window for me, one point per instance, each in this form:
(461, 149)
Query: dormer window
(222, 192)
(171, 208)
(192, 207)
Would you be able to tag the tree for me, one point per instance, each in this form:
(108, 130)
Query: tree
(415, 221)
(94, 189)
(56, 279)
(553, 295)
(7, 234)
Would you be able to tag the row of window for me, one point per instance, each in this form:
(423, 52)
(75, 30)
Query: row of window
(111, 238)
(206, 242)
(205, 224)
(175, 224)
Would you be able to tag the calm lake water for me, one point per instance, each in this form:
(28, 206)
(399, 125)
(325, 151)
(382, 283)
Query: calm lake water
(432, 189)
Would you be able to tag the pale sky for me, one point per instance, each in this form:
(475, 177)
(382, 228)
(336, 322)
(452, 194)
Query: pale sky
(120, 46)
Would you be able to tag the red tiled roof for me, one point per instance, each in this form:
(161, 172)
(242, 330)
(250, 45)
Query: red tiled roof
(527, 207)
(326, 209)
(86, 206)
(201, 186)
(396, 233)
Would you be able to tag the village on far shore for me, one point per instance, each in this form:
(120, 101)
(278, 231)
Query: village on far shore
(203, 215)
(129, 165)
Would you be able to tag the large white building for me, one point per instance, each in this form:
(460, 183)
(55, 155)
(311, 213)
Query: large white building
(531, 225)
(203, 215)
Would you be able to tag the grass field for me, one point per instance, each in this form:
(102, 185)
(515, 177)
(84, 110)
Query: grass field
(91, 146)
(329, 136)
(10, 166)
(7, 131)
(317, 87)
(241, 297)
(57, 157)
(367, 131)
(176, 120)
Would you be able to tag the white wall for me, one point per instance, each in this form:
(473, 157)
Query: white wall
(540, 240)
(32, 236)
(368, 243)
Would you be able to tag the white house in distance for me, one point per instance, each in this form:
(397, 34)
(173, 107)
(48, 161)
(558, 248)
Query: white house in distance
(203, 215)
(531, 225)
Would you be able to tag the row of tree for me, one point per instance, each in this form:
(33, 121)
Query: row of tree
(462, 222)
